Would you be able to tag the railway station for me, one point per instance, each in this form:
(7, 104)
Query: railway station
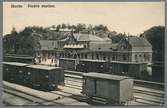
(84, 54)
(83, 69)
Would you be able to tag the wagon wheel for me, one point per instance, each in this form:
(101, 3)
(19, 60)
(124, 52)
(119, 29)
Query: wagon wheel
(122, 103)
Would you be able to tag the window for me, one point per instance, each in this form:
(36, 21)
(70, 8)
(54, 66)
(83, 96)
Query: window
(97, 56)
(113, 57)
(136, 59)
(81, 55)
(135, 56)
(85, 56)
(92, 56)
(78, 55)
(148, 57)
(124, 57)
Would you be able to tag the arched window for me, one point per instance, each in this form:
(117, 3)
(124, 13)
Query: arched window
(124, 57)
(136, 58)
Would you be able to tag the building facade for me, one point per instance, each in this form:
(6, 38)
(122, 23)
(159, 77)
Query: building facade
(87, 46)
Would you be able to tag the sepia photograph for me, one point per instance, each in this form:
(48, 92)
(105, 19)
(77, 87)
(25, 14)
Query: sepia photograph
(83, 53)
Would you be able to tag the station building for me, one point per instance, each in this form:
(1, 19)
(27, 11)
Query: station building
(132, 54)
(88, 46)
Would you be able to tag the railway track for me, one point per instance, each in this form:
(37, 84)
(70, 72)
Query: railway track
(27, 97)
(73, 84)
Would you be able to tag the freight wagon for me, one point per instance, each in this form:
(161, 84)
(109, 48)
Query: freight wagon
(115, 89)
(35, 76)
(14, 71)
(67, 63)
(89, 65)
(132, 69)
(44, 77)
(136, 70)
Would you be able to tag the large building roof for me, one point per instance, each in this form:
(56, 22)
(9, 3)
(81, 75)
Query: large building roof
(138, 41)
(87, 37)
(48, 44)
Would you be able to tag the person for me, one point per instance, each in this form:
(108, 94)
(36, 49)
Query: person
(52, 60)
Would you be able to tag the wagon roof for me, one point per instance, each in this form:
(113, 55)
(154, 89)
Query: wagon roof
(92, 60)
(44, 67)
(122, 62)
(105, 76)
(21, 57)
(15, 63)
(67, 58)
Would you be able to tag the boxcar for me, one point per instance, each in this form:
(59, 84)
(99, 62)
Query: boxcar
(136, 70)
(67, 63)
(44, 77)
(89, 65)
(113, 88)
(14, 72)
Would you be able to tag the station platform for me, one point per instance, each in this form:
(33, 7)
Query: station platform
(62, 96)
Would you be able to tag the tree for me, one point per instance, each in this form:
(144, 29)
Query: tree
(63, 26)
(9, 42)
(80, 27)
(155, 36)
(100, 27)
(116, 37)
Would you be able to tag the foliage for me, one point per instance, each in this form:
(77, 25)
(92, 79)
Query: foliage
(116, 37)
(155, 36)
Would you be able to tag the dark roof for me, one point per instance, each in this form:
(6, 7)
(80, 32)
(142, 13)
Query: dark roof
(138, 41)
(87, 37)
(105, 76)
(48, 44)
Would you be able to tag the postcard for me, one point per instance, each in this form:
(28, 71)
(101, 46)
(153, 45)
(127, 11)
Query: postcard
(83, 53)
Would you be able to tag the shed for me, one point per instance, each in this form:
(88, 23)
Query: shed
(113, 88)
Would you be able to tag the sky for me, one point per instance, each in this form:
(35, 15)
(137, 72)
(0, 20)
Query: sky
(129, 17)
